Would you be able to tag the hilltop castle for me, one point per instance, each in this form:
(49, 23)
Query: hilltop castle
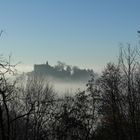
(62, 71)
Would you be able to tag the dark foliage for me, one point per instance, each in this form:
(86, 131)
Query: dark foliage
(109, 109)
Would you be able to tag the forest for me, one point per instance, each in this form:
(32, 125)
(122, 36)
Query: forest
(109, 108)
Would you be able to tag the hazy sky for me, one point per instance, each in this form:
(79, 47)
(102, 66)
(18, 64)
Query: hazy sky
(86, 33)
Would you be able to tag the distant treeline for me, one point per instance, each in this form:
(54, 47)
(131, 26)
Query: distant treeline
(63, 71)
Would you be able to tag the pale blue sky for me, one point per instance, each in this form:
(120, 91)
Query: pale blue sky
(86, 33)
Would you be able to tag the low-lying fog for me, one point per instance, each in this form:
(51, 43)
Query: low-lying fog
(61, 87)
(68, 87)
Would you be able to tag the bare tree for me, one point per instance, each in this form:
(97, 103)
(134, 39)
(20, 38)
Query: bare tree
(112, 98)
(6, 89)
(39, 94)
(129, 65)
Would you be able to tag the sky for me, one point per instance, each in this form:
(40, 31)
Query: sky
(85, 33)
